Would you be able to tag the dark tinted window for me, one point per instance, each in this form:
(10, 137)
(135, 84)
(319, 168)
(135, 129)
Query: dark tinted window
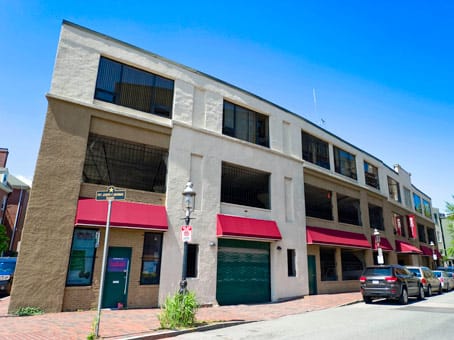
(379, 271)
(348, 209)
(318, 202)
(315, 150)
(416, 271)
(128, 86)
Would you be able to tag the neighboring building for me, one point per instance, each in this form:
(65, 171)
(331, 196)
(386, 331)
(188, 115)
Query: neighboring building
(13, 199)
(444, 236)
(118, 115)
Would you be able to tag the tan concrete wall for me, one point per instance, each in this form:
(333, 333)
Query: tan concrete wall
(46, 240)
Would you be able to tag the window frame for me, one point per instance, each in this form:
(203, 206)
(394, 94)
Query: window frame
(392, 183)
(311, 204)
(192, 261)
(151, 258)
(118, 91)
(315, 150)
(345, 163)
(95, 232)
(343, 216)
(291, 262)
(254, 125)
(381, 223)
(328, 268)
(371, 177)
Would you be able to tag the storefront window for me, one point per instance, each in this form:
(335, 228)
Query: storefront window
(328, 264)
(151, 259)
(352, 264)
(80, 271)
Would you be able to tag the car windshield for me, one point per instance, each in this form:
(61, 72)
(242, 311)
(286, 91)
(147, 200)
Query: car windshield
(7, 267)
(437, 274)
(377, 271)
(416, 271)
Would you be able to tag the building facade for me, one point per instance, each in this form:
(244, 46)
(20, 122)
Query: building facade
(283, 207)
(13, 199)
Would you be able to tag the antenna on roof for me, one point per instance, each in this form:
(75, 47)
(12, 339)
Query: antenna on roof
(314, 96)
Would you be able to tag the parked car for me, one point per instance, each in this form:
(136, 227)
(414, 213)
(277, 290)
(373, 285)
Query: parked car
(429, 281)
(394, 282)
(446, 279)
(448, 269)
(7, 267)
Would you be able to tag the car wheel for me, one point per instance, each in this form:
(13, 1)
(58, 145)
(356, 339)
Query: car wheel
(429, 291)
(440, 289)
(367, 299)
(447, 287)
(403, 299)
(421, 293)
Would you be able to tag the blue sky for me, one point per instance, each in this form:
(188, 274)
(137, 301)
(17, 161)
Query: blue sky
(383, 72)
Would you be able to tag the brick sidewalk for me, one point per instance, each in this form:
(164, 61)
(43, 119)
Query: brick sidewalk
(120, 324)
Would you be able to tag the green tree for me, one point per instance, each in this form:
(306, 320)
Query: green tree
(450, 218)
(4, 239)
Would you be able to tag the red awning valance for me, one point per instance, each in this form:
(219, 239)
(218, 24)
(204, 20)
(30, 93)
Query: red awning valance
(316, 235)
(404, 247)
(123, 214)
(384, 244)
(426, 251)
(242, 227)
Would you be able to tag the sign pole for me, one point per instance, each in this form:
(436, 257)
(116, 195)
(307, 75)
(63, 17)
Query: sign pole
(103, 269)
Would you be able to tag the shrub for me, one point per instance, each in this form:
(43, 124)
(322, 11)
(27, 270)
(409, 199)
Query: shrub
(28, 311)
(179, 311)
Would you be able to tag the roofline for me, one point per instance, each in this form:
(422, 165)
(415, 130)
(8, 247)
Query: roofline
(69, 23)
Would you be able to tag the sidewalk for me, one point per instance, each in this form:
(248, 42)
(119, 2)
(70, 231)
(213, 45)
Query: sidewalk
(143, 323)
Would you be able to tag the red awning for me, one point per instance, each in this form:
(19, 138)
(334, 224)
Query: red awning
(404, 247)
(123, 214)
(426, 251)
(316, 235)
(384, 244)
(242, 227)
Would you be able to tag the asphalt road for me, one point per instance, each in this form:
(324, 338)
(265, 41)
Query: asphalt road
(432, 318)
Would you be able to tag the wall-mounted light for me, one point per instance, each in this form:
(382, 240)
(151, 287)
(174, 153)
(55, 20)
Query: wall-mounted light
(279, 248)
(212, 244)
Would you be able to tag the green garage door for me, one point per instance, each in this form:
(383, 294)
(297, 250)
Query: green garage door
(243, 274)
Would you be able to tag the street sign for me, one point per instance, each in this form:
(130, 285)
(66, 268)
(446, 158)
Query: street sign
(111, 194)
(186, 233)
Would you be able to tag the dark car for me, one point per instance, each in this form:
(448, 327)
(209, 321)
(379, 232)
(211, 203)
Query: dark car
(7, 267)
(393, 282)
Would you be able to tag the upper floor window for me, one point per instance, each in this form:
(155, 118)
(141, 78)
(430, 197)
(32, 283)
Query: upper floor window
(417, 202)
(398, 223)
(371, 174)
(318, 202)
(394, 190)
(422, 233)
(427, 210)
(110, 161)
(315, 150)
(431, 235)
(345, 163)
(245, 186)
(348, 209)
(128, 86)
(407, 197)
(376, 217)
(245, 124)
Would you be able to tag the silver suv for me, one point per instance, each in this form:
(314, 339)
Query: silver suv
(392, 282)
(428, 279)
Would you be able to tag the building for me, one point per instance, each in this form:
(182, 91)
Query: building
(121, 116)
(13, 197)
(444, 236)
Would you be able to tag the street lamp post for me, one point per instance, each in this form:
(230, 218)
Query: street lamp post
(434, 254)
(380, 259)
(189, 205)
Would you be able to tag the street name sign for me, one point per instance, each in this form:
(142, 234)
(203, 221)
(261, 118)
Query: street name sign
(111, 194)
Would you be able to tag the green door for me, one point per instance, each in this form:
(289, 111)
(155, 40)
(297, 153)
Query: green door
(117, 277)
(243, 274)
(312, 272)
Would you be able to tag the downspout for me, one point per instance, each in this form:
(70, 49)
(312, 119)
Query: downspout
(16, 220)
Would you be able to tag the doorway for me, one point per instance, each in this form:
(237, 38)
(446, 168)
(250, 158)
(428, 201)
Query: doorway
(115, 293)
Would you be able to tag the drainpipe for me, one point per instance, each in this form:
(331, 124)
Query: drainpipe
(16, 220)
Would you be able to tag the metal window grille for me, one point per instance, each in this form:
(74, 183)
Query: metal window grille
(245, 186)
(110, 161)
